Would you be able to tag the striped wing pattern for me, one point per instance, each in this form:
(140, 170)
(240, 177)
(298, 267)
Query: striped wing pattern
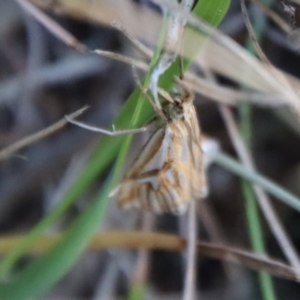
(169, 172)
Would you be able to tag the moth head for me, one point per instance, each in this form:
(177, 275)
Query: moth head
(174, 110)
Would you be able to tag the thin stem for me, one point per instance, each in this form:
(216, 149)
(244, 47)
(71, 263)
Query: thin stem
(189, 291)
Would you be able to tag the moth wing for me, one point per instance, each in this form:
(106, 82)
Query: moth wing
(198, 178)
(197, 171)
(160, 179)
(154, 181)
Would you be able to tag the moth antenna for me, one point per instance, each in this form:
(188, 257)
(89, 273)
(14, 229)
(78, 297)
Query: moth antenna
(181, 76)
(186, 93)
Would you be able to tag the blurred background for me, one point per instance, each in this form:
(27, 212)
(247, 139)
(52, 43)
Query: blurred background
(42, 79)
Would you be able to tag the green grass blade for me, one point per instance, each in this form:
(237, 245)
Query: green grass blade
(255, 230)
(137, 291)
(253, 220)
(272, 188)
(252, 214)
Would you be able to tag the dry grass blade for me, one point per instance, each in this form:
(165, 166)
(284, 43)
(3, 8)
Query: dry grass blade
(122, 58)
(207, 88)
(251, 33)
(52, 26)
(106, 12)
(231, 96)
(138, 45)
(10, 150)
(153, 240)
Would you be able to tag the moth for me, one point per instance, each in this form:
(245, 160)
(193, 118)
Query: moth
(169, 171)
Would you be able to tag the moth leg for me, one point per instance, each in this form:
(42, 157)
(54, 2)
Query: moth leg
(104, 131)
(186, 92)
